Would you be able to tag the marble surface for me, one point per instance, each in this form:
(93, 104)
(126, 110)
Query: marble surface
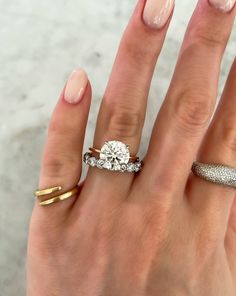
(41, 42)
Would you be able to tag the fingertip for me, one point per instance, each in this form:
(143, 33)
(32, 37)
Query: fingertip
(156, 14)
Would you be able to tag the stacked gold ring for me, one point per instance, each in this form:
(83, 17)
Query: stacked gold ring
(44, 192)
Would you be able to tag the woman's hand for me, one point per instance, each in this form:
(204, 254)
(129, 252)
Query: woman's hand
(163, 231)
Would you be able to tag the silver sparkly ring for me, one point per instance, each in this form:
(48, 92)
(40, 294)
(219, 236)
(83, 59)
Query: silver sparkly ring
(113, 156)
(215, 173)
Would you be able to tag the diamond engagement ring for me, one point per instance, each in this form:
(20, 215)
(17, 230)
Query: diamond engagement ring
(215, 173)
(113, 156)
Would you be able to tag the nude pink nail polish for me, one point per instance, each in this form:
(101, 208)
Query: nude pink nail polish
(76, 86)
(157, 12)
(224, 5)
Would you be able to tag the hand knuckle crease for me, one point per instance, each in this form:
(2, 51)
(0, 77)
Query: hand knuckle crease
(58, 165)
(59, 128)
(124, 122)
(212, 37)
(139, 53)
(193, 109)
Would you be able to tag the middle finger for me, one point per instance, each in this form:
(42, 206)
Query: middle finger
(123, 107)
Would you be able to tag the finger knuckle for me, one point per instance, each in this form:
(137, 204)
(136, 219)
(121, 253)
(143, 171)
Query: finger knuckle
(139, 54)
(210, 40)
(61, 128)
(212, 37)
(124, 122)
(192, 108)
(55, 165)
(57, 127)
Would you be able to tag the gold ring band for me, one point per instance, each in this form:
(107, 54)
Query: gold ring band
(98, 151)
(61, 197)
(47, 191)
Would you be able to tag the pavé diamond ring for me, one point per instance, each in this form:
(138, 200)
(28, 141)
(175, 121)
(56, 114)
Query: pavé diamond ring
(215, 173)
(113, 156)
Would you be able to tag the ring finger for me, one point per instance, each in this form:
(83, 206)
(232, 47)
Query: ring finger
(219, 146)
(189, 104)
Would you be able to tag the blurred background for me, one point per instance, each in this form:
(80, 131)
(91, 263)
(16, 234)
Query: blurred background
(41, 43)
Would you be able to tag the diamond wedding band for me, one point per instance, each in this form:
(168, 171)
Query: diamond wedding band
(215, 173)
(113, 156)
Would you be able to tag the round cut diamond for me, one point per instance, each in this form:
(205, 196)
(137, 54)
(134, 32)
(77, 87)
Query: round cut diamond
(100, 163)
(131, 167)
(115, 152)
(137, 167)
(86, 157)
(107, 165)
(92, 161)
(116, 167)
(123, 167)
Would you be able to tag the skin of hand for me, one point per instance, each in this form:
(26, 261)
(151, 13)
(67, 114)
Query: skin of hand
(163, 231)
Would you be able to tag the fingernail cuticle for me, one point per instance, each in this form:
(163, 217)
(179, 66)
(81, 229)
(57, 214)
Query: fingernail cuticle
(223, 5)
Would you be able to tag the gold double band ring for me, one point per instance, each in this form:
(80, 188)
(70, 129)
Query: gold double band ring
(44, 192)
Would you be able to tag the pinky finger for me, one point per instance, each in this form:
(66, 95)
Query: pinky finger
(62, 158)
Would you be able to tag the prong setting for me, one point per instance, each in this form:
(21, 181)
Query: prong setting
(114, 156)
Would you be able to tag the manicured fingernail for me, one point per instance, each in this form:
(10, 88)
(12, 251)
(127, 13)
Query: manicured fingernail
(157, 12)
(76, 86)
(224, 5)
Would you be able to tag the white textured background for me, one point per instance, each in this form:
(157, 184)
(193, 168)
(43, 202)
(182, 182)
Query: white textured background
(40, 43)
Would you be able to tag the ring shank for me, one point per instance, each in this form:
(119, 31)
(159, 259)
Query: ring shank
(44, 192)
